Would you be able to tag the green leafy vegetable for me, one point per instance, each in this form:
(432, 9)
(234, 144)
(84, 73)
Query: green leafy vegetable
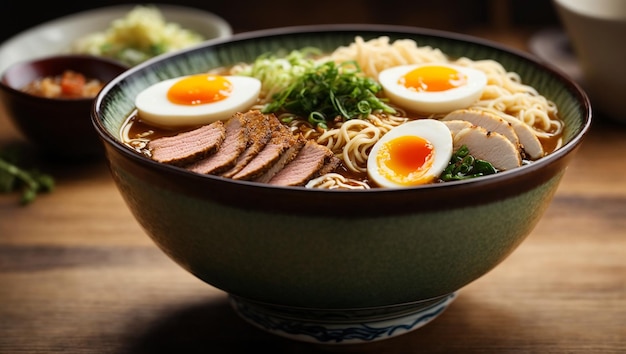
(15, 177)
(329, 90)
(463, 166)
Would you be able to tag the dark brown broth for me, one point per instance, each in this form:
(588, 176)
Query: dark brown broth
(140, 129)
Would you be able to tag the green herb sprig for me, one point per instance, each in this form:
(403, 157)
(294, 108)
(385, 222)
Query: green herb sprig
(329, 90)
(463, 166)
(13, 177)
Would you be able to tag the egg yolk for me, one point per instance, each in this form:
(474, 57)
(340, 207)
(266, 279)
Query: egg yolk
(432, 78)
(199, 89)
(406, 160)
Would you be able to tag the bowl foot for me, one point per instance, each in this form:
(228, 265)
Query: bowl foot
(342, 326)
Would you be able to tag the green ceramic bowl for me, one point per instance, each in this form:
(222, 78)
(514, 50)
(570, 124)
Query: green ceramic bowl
(335, 266)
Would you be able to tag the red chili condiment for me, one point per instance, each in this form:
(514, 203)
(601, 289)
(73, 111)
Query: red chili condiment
(70, 84)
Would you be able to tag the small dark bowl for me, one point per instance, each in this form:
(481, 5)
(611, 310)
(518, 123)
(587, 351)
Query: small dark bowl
(58, 127)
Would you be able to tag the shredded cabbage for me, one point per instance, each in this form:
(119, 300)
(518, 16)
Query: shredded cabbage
(142, 34)
(278, 72)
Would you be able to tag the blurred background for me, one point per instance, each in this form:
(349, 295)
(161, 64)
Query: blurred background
(491, 18)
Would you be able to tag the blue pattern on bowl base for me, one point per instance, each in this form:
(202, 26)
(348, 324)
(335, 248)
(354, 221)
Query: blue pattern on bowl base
(341, 326)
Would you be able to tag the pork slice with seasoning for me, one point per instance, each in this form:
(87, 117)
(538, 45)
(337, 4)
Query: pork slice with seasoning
(188, 147)
(294, 147)
(306, 165)
(259, 134)
(234, 144)
(279, 150)
(330, 166)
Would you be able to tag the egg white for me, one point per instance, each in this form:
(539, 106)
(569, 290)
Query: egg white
(432, 102)
(154, 107)
(431, 130)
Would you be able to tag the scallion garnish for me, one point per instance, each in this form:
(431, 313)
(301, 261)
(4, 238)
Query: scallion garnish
(330, 90)
(463, 166)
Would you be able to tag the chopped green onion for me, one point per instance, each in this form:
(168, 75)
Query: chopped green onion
(329, 90)
(464, 166)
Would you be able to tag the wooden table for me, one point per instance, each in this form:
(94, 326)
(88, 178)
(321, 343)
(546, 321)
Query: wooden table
(78, 275)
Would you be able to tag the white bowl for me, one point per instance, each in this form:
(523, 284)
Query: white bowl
(596, 31)
(55, 37)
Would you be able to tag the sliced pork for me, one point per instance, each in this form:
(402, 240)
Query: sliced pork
(188, 147)
(305, 166)
(285, 158)
(248, 146)
(281, 148)
(487, 120)
(456, 125)
(489, 146)
(233, 145)
(526, 138)
(260, 128)
(530, 143)
(330, 166)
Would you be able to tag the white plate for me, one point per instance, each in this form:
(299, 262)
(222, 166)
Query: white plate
(55, 37)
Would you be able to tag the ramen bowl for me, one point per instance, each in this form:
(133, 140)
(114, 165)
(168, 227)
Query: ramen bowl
(335, 266)
(58, 126)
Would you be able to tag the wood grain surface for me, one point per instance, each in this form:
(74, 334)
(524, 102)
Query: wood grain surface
(78, 275)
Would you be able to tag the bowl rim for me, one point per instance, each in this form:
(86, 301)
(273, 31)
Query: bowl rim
(507, 177)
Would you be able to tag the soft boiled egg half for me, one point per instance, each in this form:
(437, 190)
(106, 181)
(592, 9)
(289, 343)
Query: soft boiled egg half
(410, 154)
(432, 88)
(196, 99)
